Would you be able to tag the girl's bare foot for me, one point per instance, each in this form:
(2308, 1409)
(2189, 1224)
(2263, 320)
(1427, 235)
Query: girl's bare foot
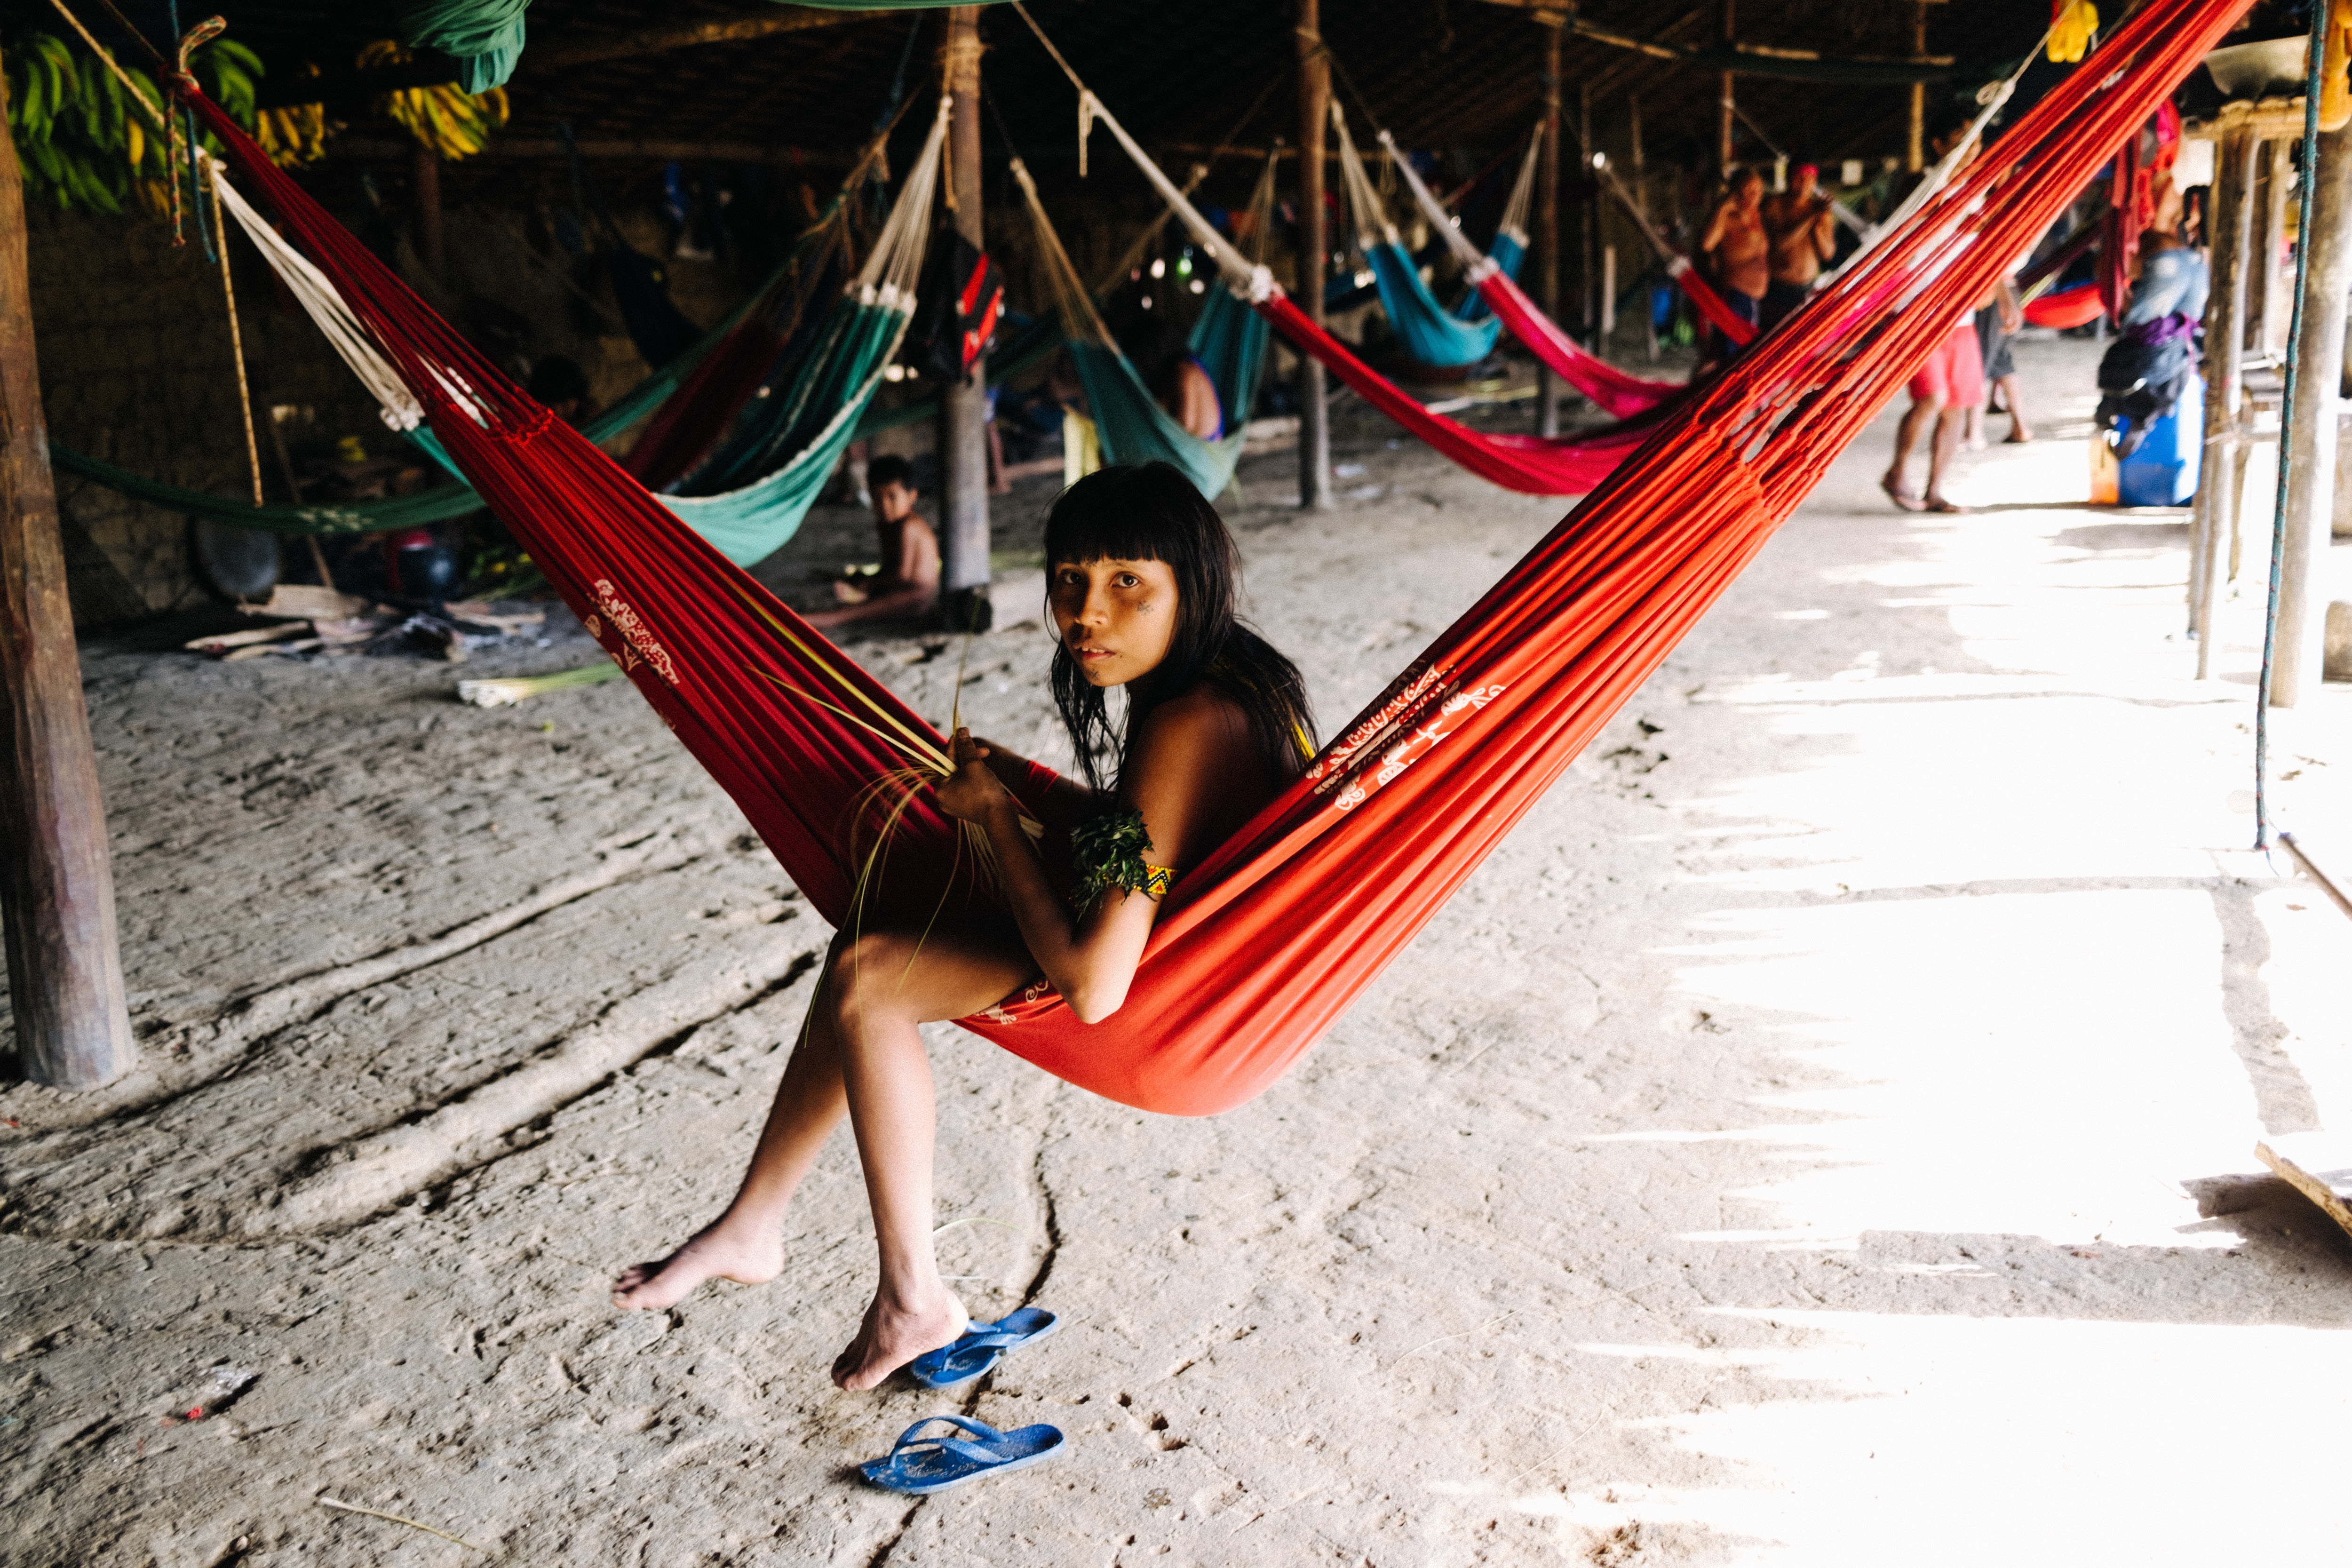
(892, 1336)
(749, 1254)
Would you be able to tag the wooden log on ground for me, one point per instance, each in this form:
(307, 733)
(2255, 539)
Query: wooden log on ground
(2318, 1169)
(56, 883)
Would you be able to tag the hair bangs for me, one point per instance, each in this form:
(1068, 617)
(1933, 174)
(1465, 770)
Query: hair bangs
(1100, 521)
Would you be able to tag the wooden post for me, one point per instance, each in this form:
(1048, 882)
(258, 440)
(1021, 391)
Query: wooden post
(963, 410)
(1546, 236)
(2232, 232)
(2278, 289)
(1915, 144)
(1314, 131)
(425, 208)
(56, 883)
(1723, 123)
(2296, 667)
(1642, 209)
(1587, 220)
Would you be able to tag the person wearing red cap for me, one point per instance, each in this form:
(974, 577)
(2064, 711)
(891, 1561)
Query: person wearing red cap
(1803, 234)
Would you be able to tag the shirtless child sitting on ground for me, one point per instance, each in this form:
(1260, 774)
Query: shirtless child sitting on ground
(909, 582)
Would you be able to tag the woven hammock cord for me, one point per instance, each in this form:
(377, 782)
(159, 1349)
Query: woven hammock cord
(2309, 173)
(236, 336)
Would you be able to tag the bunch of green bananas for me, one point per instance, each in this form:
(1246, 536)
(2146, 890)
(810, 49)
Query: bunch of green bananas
(81, 139)
(452, 123)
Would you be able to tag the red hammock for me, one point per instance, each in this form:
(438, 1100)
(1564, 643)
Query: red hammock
(691, 419)
(2076, 307)
(1620, 393)
(1532, 465)
(1259, 949)
(1711, 305)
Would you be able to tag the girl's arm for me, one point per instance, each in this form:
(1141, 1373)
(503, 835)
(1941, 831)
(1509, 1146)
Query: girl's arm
(1091, 958)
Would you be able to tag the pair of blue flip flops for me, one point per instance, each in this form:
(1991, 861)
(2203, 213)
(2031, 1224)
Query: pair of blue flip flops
(919, 1465)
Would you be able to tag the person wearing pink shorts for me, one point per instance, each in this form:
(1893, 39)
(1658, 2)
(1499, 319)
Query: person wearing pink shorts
(1949, 385)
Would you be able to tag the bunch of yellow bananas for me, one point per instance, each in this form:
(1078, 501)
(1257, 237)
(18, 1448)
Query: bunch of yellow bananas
(294, 135)
(2070, 34)
(454, 124)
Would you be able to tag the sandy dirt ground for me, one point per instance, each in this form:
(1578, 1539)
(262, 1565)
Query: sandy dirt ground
(1822, 1134)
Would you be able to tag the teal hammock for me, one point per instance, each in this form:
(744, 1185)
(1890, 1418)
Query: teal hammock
(437, 505)
(829, 393)
(1229, 341)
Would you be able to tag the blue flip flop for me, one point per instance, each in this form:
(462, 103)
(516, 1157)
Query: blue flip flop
(981, 1347)
(922, 1466)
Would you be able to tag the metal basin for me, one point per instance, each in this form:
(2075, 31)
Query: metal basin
(2254, 70)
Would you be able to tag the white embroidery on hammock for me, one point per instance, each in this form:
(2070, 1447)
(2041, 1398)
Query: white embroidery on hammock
(1410, 689)
(1451, 713)
(1029, 993)
(632, 633)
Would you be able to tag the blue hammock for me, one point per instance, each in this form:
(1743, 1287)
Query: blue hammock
(1430, 333)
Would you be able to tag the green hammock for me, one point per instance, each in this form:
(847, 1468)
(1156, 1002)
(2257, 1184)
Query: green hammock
(831, 389)
(829, 393)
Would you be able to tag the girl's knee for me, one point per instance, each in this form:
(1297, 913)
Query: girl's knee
(863, 969)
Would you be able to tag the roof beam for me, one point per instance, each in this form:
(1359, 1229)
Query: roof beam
(606, 149)
(691, 36)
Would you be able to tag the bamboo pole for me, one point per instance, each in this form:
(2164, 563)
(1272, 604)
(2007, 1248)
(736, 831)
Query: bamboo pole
(2217, 489)
(1314, 114)
(2305, 530)
(963, 408)
(56, 883)
(2278, 294)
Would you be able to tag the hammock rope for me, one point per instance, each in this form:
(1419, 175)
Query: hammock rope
(1259, 949)
(1509, 249)
(1129, 421)
(1430, 333)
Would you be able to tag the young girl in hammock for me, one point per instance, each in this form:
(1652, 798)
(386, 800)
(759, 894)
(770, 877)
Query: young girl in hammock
(1142, 581)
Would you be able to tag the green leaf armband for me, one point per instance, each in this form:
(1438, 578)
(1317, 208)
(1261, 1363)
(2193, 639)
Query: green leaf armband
(1109, 852)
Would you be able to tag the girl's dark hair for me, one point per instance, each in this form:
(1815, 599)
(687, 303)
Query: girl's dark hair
(1154, 513)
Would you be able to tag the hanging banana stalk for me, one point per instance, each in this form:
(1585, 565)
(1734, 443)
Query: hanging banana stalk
(449, 121)
(80, 139)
